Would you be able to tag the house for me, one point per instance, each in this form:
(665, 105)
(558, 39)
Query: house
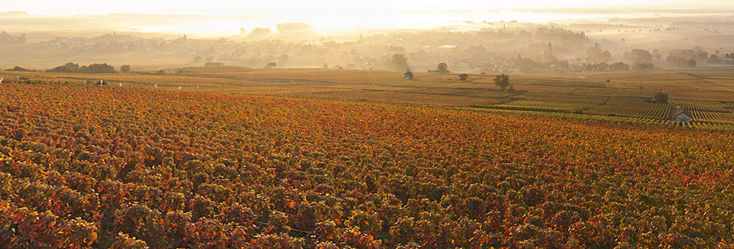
(214, 64)
(682, 115)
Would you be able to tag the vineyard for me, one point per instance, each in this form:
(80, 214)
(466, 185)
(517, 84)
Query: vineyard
(567, 98)
(542, 106)
(627, 94)
(720, 126)
(609, 106)
(702, 106)
(633, 107)
(86, 166)
(713, 117)
(615, 92)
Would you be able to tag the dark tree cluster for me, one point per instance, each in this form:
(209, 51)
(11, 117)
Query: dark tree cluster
(661, 97)
(502, 80)
(639, 65)
(638, 55)
(125, 68)
(619, 66)
(595, 54)
(442, 68)
(71, 67)
(19, 69)
(8, 38)
(400, 62)
(696, 54)
(680, 62)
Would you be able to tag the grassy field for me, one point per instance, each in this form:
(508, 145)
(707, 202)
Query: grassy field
(625, 94)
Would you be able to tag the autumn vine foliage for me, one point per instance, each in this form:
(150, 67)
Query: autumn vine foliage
(101, 167)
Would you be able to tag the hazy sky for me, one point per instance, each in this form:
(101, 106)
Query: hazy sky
(327, 15)
(259, 7)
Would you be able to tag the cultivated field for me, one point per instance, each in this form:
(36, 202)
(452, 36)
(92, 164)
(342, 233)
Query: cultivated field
(84, 166)
(624, 94)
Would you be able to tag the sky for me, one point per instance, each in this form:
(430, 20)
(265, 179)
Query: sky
(344, 14)
(228, 7)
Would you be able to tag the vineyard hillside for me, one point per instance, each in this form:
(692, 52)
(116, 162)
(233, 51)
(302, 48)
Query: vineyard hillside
(588, 95)
(85, 166)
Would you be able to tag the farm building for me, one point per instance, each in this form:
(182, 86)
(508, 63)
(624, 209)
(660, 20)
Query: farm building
(682, 115)
(408, 75)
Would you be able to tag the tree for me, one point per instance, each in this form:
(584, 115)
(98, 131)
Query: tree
(69, 67)
(442, 68)
(271, 65)
(400, 62)
(691, 63)
(463, 77)
(619, 66)
(643, 65)
(125, 68)
(638, 55)
(595, 54)
(660, 97)
(97, 68)
(19, 69)
(680, 61)
(502, 81)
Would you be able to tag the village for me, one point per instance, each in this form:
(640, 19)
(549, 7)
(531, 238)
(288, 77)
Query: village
(507, 47)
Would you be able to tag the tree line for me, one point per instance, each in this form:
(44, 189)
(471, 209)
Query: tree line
(71, 67)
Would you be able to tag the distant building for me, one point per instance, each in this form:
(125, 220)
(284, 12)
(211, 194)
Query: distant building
(214, 64)
(408, 75)
(682, 115)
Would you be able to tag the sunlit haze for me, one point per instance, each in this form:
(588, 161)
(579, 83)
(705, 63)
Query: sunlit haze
(221, 7)
(341, 15)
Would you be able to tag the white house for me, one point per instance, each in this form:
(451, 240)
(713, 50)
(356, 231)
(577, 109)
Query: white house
(682, 115)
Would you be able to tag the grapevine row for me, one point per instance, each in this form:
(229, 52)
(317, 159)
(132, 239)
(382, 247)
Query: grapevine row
(101, 167)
